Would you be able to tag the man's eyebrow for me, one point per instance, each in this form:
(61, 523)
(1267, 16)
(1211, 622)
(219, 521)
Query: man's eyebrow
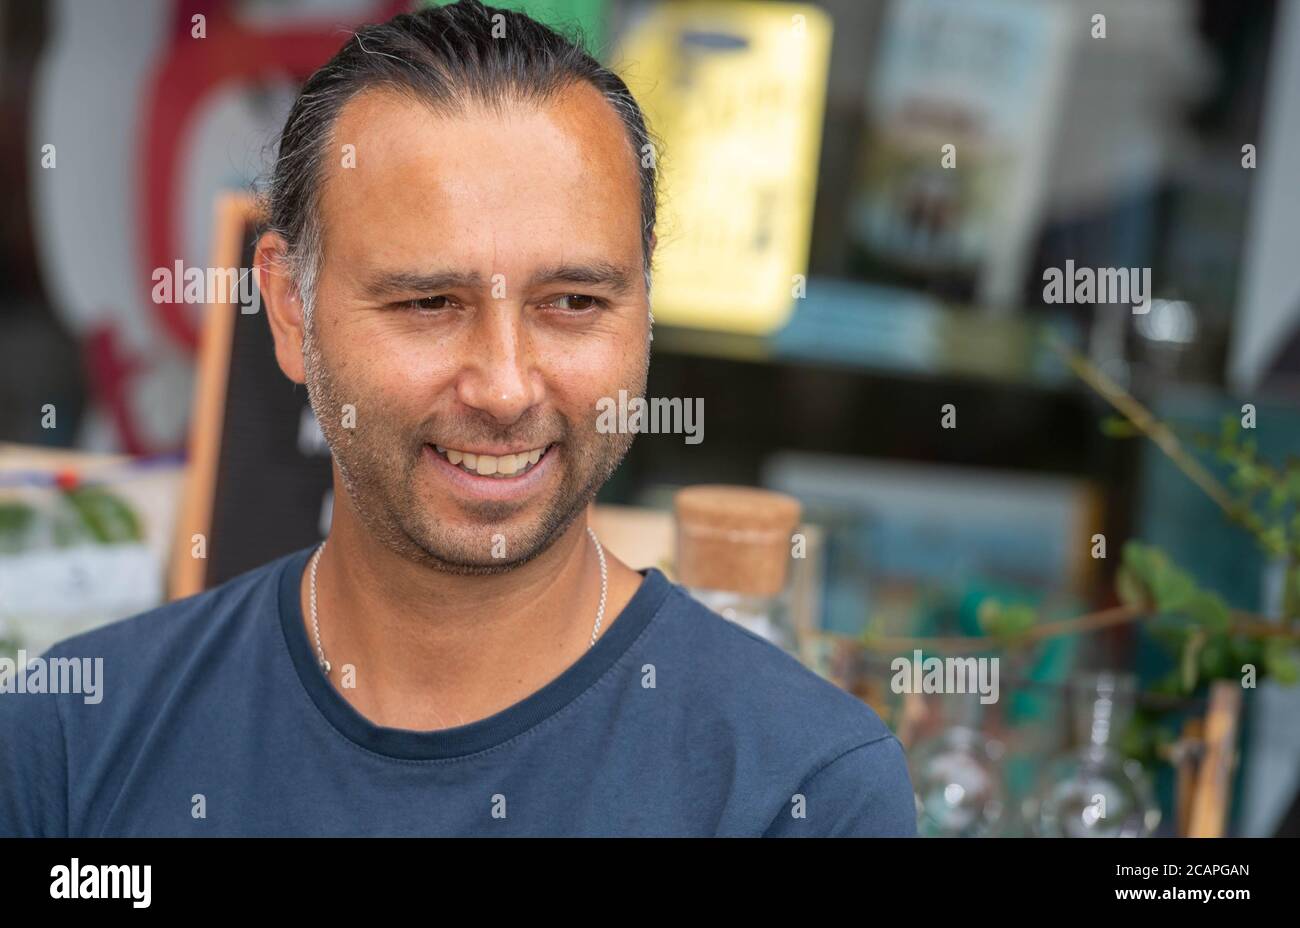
(432, 282)
(598, 273)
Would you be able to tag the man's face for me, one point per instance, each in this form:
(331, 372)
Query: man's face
(481, 288)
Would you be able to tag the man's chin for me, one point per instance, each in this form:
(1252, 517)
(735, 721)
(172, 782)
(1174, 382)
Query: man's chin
(490, 546)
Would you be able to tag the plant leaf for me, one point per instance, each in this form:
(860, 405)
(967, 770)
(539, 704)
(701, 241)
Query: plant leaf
(1208, 610)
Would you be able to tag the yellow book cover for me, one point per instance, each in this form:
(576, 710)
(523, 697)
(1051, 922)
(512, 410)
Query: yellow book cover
(736, 93)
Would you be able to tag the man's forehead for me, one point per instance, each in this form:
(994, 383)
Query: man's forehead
(485, 178)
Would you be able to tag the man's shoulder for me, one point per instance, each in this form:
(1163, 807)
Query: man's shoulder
(91, 702)
(745, 677)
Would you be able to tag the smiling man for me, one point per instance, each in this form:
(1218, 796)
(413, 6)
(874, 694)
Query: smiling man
(458, 270)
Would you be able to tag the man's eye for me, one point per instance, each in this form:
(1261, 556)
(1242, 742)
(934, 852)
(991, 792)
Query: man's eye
(577, 302)
(428, 303)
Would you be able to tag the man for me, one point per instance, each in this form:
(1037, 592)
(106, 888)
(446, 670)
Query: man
(458, 271)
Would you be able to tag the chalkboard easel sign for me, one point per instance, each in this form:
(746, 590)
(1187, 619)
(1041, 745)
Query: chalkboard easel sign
(259, 483)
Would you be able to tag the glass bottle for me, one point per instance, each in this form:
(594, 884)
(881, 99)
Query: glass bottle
(1092, 791)
(957, 775)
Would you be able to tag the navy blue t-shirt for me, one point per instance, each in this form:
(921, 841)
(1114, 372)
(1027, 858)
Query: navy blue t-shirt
(214, 719)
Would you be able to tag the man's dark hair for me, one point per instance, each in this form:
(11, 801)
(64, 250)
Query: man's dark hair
(447, 57)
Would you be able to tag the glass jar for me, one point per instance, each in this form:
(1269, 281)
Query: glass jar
(734, 548)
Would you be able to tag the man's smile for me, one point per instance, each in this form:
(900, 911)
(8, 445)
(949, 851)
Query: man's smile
(511, 476)
(505, 464)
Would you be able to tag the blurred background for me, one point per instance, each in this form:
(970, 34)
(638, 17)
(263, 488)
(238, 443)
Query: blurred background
(861, 199)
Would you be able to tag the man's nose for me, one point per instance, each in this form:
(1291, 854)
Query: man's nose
(498, 377)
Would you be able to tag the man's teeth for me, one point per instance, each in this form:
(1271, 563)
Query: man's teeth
(490, 465)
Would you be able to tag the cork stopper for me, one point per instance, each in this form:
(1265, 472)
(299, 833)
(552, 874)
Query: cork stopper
(734, 538)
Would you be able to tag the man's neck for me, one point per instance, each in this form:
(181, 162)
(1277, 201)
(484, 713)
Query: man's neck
(416, 648)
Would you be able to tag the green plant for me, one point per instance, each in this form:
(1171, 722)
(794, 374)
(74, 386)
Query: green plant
(1207, 638)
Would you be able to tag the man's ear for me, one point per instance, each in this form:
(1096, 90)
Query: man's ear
(282, 301)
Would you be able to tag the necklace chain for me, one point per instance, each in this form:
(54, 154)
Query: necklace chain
(595, 632)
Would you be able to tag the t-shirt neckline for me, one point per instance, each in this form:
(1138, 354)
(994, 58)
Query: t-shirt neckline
(479, 735)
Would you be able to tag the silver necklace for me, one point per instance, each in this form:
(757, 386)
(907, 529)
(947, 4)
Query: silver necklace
(595, 632)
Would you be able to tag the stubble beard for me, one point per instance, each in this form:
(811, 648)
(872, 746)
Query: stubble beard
(378, 472)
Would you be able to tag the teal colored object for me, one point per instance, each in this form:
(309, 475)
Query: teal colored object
(584, 19)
